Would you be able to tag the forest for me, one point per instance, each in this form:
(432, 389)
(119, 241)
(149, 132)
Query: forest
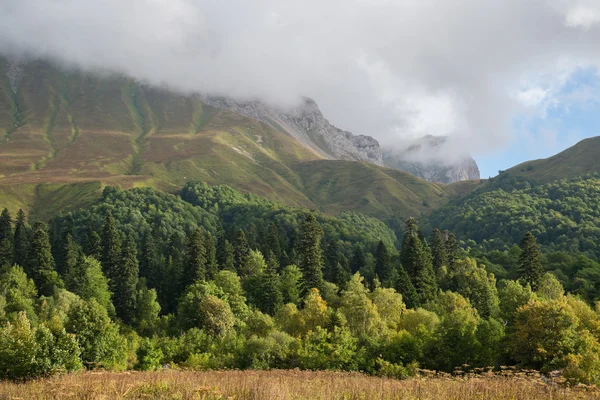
(216, 279)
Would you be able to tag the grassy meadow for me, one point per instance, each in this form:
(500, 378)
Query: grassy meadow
(284, 385)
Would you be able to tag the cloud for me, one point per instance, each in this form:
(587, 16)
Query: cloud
(390, 69)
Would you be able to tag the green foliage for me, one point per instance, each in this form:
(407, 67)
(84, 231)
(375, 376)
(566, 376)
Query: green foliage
(87, 280)
(27, 352)
(98, 337)
(310, 253)
(41, 262)
(530, 268)
(149, 356)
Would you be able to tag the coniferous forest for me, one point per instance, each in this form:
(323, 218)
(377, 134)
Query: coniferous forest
(215, 279)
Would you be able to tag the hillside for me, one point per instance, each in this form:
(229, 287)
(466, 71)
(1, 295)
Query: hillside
(65, 134)
(578, 160)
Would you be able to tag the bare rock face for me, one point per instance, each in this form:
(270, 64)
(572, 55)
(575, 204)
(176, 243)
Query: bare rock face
(428, 159)
(307, 125)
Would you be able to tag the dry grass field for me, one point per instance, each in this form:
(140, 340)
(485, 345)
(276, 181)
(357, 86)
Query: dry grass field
(283, 385)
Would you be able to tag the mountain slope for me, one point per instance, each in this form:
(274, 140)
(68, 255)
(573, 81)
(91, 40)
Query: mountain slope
(580, 159)
(65, 134)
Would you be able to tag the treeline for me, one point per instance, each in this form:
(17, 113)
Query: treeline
(563, 215)
(224, 280)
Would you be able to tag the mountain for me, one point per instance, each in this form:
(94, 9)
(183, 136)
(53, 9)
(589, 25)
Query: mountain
(426, 158)
(307, 125)
(64, 134)
(580, 159)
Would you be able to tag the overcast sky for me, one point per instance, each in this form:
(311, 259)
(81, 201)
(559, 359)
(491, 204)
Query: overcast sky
(486, 72)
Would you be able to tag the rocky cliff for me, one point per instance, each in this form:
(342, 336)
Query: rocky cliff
(307, 125)
(430, 159)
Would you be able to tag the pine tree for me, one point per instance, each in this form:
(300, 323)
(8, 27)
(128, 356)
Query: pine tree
(271, 298)
(405, 287)
(310, 254)
(225, 254)
(383, 265)
(274, 240)
(358, 259)
(530, 270)
(241, 250)
(41, 262)
(451, 250)
(416, 259)
(151, 262)
(126, 279)
(425, 282)
(69, 252)
(174, 281)
(111, 251)
(212, 266)
(6, 239)
(93, 245)
(22, 240)
(194, 265)
(332, 259)
(438, 250)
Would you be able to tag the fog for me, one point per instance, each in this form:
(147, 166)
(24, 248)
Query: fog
(394, 70)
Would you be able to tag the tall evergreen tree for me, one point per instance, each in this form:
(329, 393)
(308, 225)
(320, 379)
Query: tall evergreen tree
(271, 298)
(225, 254)
(174, 283)
(126, 279)
(530, 270)
(151, 262)
(241, 250)
(425, 281)
(93, 245)
(451, 249)
(405, 287)
(65, 249)
(438, 250)
(6, 239)
(274, 240)
(332, 259)
(310, 254)
(383, 265)
(212, 266)
(358, 259)
(41, 262)
(194, 266)
(111, 250)
(22, 240)
(416, 259)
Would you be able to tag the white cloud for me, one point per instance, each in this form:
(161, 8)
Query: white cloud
(391, 69)
(582, 16)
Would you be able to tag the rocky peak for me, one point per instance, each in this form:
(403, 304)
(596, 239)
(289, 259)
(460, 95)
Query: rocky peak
(307, 124)
(430, 158)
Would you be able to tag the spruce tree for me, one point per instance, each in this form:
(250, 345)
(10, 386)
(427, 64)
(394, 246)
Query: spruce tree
(530, 270)
(274, 240)
(438, 250)
(405, 287)
(225, 254)
(111, 250)
(22, 240)
(93, 245)
(310, 254)
(69, 252)
(41, 262)
(425, 282)
(332, 259)
(212, 266)
(194, 266)
(241, 250)
(6, 239)
(416, 259)
(151, 262)
(383, 265)
(358, 259)
(271, 298)
(175, 282)
(126, 279)
(451, 250)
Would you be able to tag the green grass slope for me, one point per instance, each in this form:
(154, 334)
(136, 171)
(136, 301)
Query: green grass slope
(578, 160)
(65, 134)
